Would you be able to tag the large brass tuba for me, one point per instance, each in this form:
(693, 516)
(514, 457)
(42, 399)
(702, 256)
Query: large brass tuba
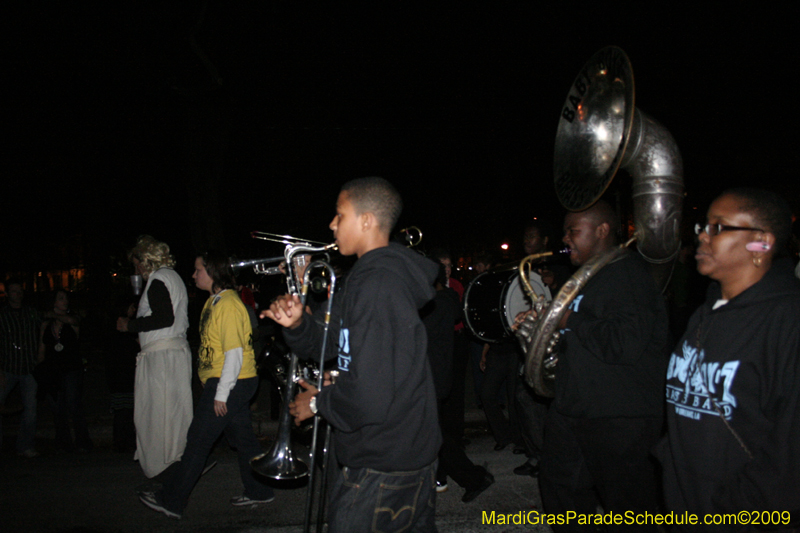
(601, 131)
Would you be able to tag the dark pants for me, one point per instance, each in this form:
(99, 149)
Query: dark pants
(502, 365)
(27, 426)
(206, 428)
(606, 461)
(453, 462)
(532, 411)
(124, 430)
(362, 499)
(451, 411)
(67, 404)
(475, 349)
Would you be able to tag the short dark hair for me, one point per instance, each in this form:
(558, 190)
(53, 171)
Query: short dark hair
(218, 268)
(544, 228)
(769, 209)
(377, 196)
(602, 213)
(14, 281)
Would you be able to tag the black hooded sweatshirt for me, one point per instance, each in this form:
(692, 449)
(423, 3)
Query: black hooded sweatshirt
(383, 404)
(615, 346)
(746, 356)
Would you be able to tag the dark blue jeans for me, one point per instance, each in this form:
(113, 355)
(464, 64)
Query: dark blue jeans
(203, 433)
(362, 499)
(27, 426)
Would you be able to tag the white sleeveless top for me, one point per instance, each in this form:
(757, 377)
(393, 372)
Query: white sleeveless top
(177, 293)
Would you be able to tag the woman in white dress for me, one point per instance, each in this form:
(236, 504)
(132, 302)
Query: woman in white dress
(162, 391)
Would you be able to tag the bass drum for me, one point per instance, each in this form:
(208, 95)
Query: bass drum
(492, 301)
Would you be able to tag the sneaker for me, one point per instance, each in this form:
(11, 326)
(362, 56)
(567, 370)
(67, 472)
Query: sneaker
(441, 486)
(30, 453)
(487, 482)
(527, 469)
(151, 500)
(243, 501)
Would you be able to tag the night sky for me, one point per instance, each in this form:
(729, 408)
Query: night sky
(199, 123)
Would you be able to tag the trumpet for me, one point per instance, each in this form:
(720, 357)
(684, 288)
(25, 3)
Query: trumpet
(260, 265)
(293, 255)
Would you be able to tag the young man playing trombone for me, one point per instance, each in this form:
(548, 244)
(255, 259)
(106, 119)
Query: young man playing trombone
(383, 404)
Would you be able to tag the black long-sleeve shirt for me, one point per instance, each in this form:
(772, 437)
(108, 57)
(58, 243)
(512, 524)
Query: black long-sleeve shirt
(162, 315)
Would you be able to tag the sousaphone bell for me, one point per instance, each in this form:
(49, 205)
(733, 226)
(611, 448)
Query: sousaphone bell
(599, 132)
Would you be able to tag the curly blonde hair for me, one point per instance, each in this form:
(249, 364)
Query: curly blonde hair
(151, 254)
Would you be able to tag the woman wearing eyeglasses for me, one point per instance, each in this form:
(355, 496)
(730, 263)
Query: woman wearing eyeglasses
(733, 382)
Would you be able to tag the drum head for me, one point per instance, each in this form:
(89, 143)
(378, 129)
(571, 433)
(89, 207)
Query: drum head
(484, 305)
(516, 301)
(494, 299)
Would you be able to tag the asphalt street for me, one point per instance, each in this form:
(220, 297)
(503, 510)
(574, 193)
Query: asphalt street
(95, 491)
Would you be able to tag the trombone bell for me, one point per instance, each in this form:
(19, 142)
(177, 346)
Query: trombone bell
(279, 463)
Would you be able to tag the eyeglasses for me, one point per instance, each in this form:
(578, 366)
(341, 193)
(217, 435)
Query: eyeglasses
(715, 229)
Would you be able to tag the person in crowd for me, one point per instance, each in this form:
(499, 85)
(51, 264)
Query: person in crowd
(500, 367)
(438, 316)
(532, 408)
(499, 364)
(482, 263)
(162, 391)
(120, 363)
(733, 401)
(19, 354)
(452, 407)
(60, 374)
(607, 412)
(246, 296)
(227, 369)
(383, 406)
(536, 239)
(476, 348)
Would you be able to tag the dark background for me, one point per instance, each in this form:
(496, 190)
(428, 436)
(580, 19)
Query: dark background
(198, 122)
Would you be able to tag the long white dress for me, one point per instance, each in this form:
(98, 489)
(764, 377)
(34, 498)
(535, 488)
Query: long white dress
(163, 387)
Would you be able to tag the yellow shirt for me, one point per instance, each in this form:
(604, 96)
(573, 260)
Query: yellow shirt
(224, 326)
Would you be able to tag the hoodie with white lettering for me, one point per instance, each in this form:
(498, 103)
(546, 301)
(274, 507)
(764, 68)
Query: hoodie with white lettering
(740, 361)
(383, 405)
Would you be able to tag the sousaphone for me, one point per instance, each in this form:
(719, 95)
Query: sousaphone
(601, 131)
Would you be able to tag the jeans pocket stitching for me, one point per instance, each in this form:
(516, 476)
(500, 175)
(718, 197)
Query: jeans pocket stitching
(380, 508)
